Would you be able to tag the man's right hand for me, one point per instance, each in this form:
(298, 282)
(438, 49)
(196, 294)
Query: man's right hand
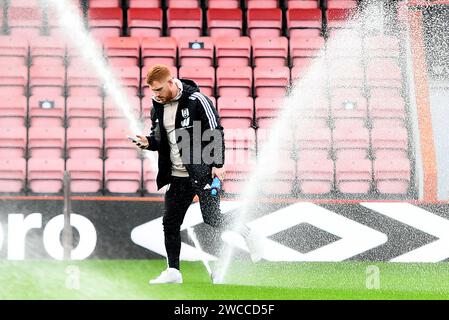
(142, 142)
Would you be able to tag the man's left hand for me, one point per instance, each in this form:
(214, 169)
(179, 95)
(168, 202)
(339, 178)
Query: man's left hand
(219, 173)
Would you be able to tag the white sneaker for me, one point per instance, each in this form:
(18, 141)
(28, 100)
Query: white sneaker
(254, 243)
(170, 275)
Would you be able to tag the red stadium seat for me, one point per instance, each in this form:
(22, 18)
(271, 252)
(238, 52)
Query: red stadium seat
(266, 22)
(384, 72)
(145, 22)
(236, 123)
(235, 107)
(196, 52)
(234, 81)
(203, 76)
(301, 69)
(150, 174)
(224, 22)
(86, 175)
(345, 44)
(351, 133)
(46, 142)
(117, 146)
(236, 178)
(83, 81)
(84, 142)
(24, 4)
(269, 51)
(348, 103)
(382, 46)
(353, 175)
(312, 133)
(123, 51)
(301, 48)
(223, 4)
(389, 133)
(13, 110)
(159, 50)
(45, 175)
(84, 111)
(128, 77)
(47, 80)
(304, 22)
(13, 51)
(144, 3)
(346, 72)
(268, 107)
(46, 111)
(183, 3)
(13, 80)
(386, 103)
(184, 22)
(104, 3)
(315, 172)
(342, 4)
(12, 142)
(250, 4)
(392, 174)
(338, 18)
(303, 4)
(233, 52)
(111, 110)
(105, 22)
(240, 138)
(271, 81)
(123, 175)
(25, 22)
(12, 174)
(47, 51)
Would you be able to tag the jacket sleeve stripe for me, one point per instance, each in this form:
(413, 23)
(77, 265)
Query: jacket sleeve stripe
(208, 110)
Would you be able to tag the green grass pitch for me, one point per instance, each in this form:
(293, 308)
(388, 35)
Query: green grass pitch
(128, 279)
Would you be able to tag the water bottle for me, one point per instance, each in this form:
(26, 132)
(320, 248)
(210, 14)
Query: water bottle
(215, 187)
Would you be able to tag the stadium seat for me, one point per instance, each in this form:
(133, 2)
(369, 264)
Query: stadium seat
(45, 175)
(122, 51)
(346, 72)
(46, 142)
(342, 4)
(196, 52)
(304, 22)
(338, 18)
(12, 174)
(46, 111)
(351, 133)
(269, 51)
(389, 133)
(183, 3)
(129, 78)
(386, 103)
(123, 175)
(267, 107)
(112, 111)
(47, 80)
(304, 48)
(13, 51)
(46, 51)
(353, 175)
(233, 52)
(224, 22)
(313, 104)
(203, 76)
(145, 22)
(13, 80)
(348, 103)
(105, 22)
(301, 69)
(83, 81)
(145, 89)
(86, 175)
(392, 175)
(184, 22)
(144, 3)
(12, 142)
(13, 110)
(25, 22)
(384, 72)
(382, 46)
(250, 4)
(315, 172)
(150, 174)
(235, 107)
(84, 142)
(234, 81)
(104, 3)
(271, 81)
(159, 50)
(117, 146)
(302, 4)
(240, 138)
(264, 22)
(312, 133)
(84, 111)
(223, 4)
(280, 179)
(236, 178)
